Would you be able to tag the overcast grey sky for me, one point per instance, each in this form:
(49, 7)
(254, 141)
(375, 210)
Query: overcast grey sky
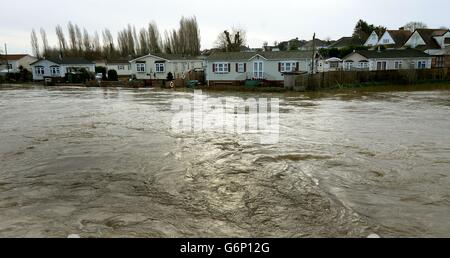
(264, 20)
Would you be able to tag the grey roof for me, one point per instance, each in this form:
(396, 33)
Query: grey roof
(171, 57)
(67, 60)
(280, 55)
(347, 42)
(395, 53)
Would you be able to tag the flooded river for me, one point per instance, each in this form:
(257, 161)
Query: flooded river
(104, 163)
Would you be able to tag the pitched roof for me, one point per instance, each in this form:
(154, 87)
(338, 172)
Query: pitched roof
(118, 61)
(279, 55)
(347, 42)
(12, 57)
(67, 60)
(428, 36)
(318, 42)
(393, 53)
(400, 37)
(170, 57)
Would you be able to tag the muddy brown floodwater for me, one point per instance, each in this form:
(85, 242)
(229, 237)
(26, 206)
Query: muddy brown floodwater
(104, 163)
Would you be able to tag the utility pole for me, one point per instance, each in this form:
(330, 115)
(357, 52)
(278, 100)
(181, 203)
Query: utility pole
(6, 58)
(314, 53)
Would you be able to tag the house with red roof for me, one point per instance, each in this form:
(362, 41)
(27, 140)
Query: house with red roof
(13, 63)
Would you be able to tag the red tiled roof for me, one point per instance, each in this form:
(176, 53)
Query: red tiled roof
(12, 57)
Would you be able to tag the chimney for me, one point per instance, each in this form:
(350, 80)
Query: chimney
(401, 28)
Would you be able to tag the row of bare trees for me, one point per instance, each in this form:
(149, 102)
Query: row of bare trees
(77, 42)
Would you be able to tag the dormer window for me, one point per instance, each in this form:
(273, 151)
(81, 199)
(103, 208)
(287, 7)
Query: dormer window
(447, 41)
(385, 41)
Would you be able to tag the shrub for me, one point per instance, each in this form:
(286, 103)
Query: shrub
(112, 75)
(102, 70)
(169, 77)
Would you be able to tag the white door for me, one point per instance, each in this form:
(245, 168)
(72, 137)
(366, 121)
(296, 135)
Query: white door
(258, 70)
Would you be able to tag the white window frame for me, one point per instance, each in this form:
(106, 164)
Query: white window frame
(349, 65)
(363, 65)
(141, 67)
(241, 68)
(398, 65)
(288, 66)
(120, 67)
(9, 66)
(55, 70)
(160, 67)
(385, 41)
(421, 64)
(39, 70)
(222, 68)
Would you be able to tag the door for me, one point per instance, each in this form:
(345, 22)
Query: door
(381, 66)
(258, 70)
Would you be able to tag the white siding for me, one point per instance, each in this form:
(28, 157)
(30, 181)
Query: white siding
(271, 71)
(126, 69)
(46, 64)
(415, 40)
(372, 40)
(176, 67)
(386, 39)
(407, 63)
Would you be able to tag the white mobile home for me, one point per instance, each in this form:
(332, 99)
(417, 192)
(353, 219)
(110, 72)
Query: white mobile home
(121, 66)
(59, 67)
(397, 59)
(236, 67)
(13, 63)
(158, 66)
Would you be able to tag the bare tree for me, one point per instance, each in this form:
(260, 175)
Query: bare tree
(108, 43)
(35, 44)
(154, 38)
(231, 41)
(143, 42)
(61, 39)
(72, 37)
(79, 40)
(87, 45)
(412, 26)
(45, 46)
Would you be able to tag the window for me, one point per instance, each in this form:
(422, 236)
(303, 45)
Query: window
(10, 67)
(54, 70)
(160, 67)
(334, 65)
(288, 66)
(440, 62)
(241, 68)
(39, 70)
(222, 68)
(381, 66)
(398, 65)
(447, 41)
(421, 65)
(121, 67)
(349, 65)
(363, 65)
(385, 41)
(140, 67)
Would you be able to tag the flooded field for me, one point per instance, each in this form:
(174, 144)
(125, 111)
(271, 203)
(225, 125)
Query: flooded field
(104, 163)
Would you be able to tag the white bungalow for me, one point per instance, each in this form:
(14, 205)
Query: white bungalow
(435, 42)
(237, 67)
(121, 66)
(330, 65)
(13, 63)
(59, 67)
(158, 66)
(397, 59)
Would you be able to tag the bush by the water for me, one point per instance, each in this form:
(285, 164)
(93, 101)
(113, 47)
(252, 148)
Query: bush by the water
(102, 70)
(112, 75)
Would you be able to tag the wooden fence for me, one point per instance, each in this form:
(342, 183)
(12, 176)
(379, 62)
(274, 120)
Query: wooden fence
(336, 79)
